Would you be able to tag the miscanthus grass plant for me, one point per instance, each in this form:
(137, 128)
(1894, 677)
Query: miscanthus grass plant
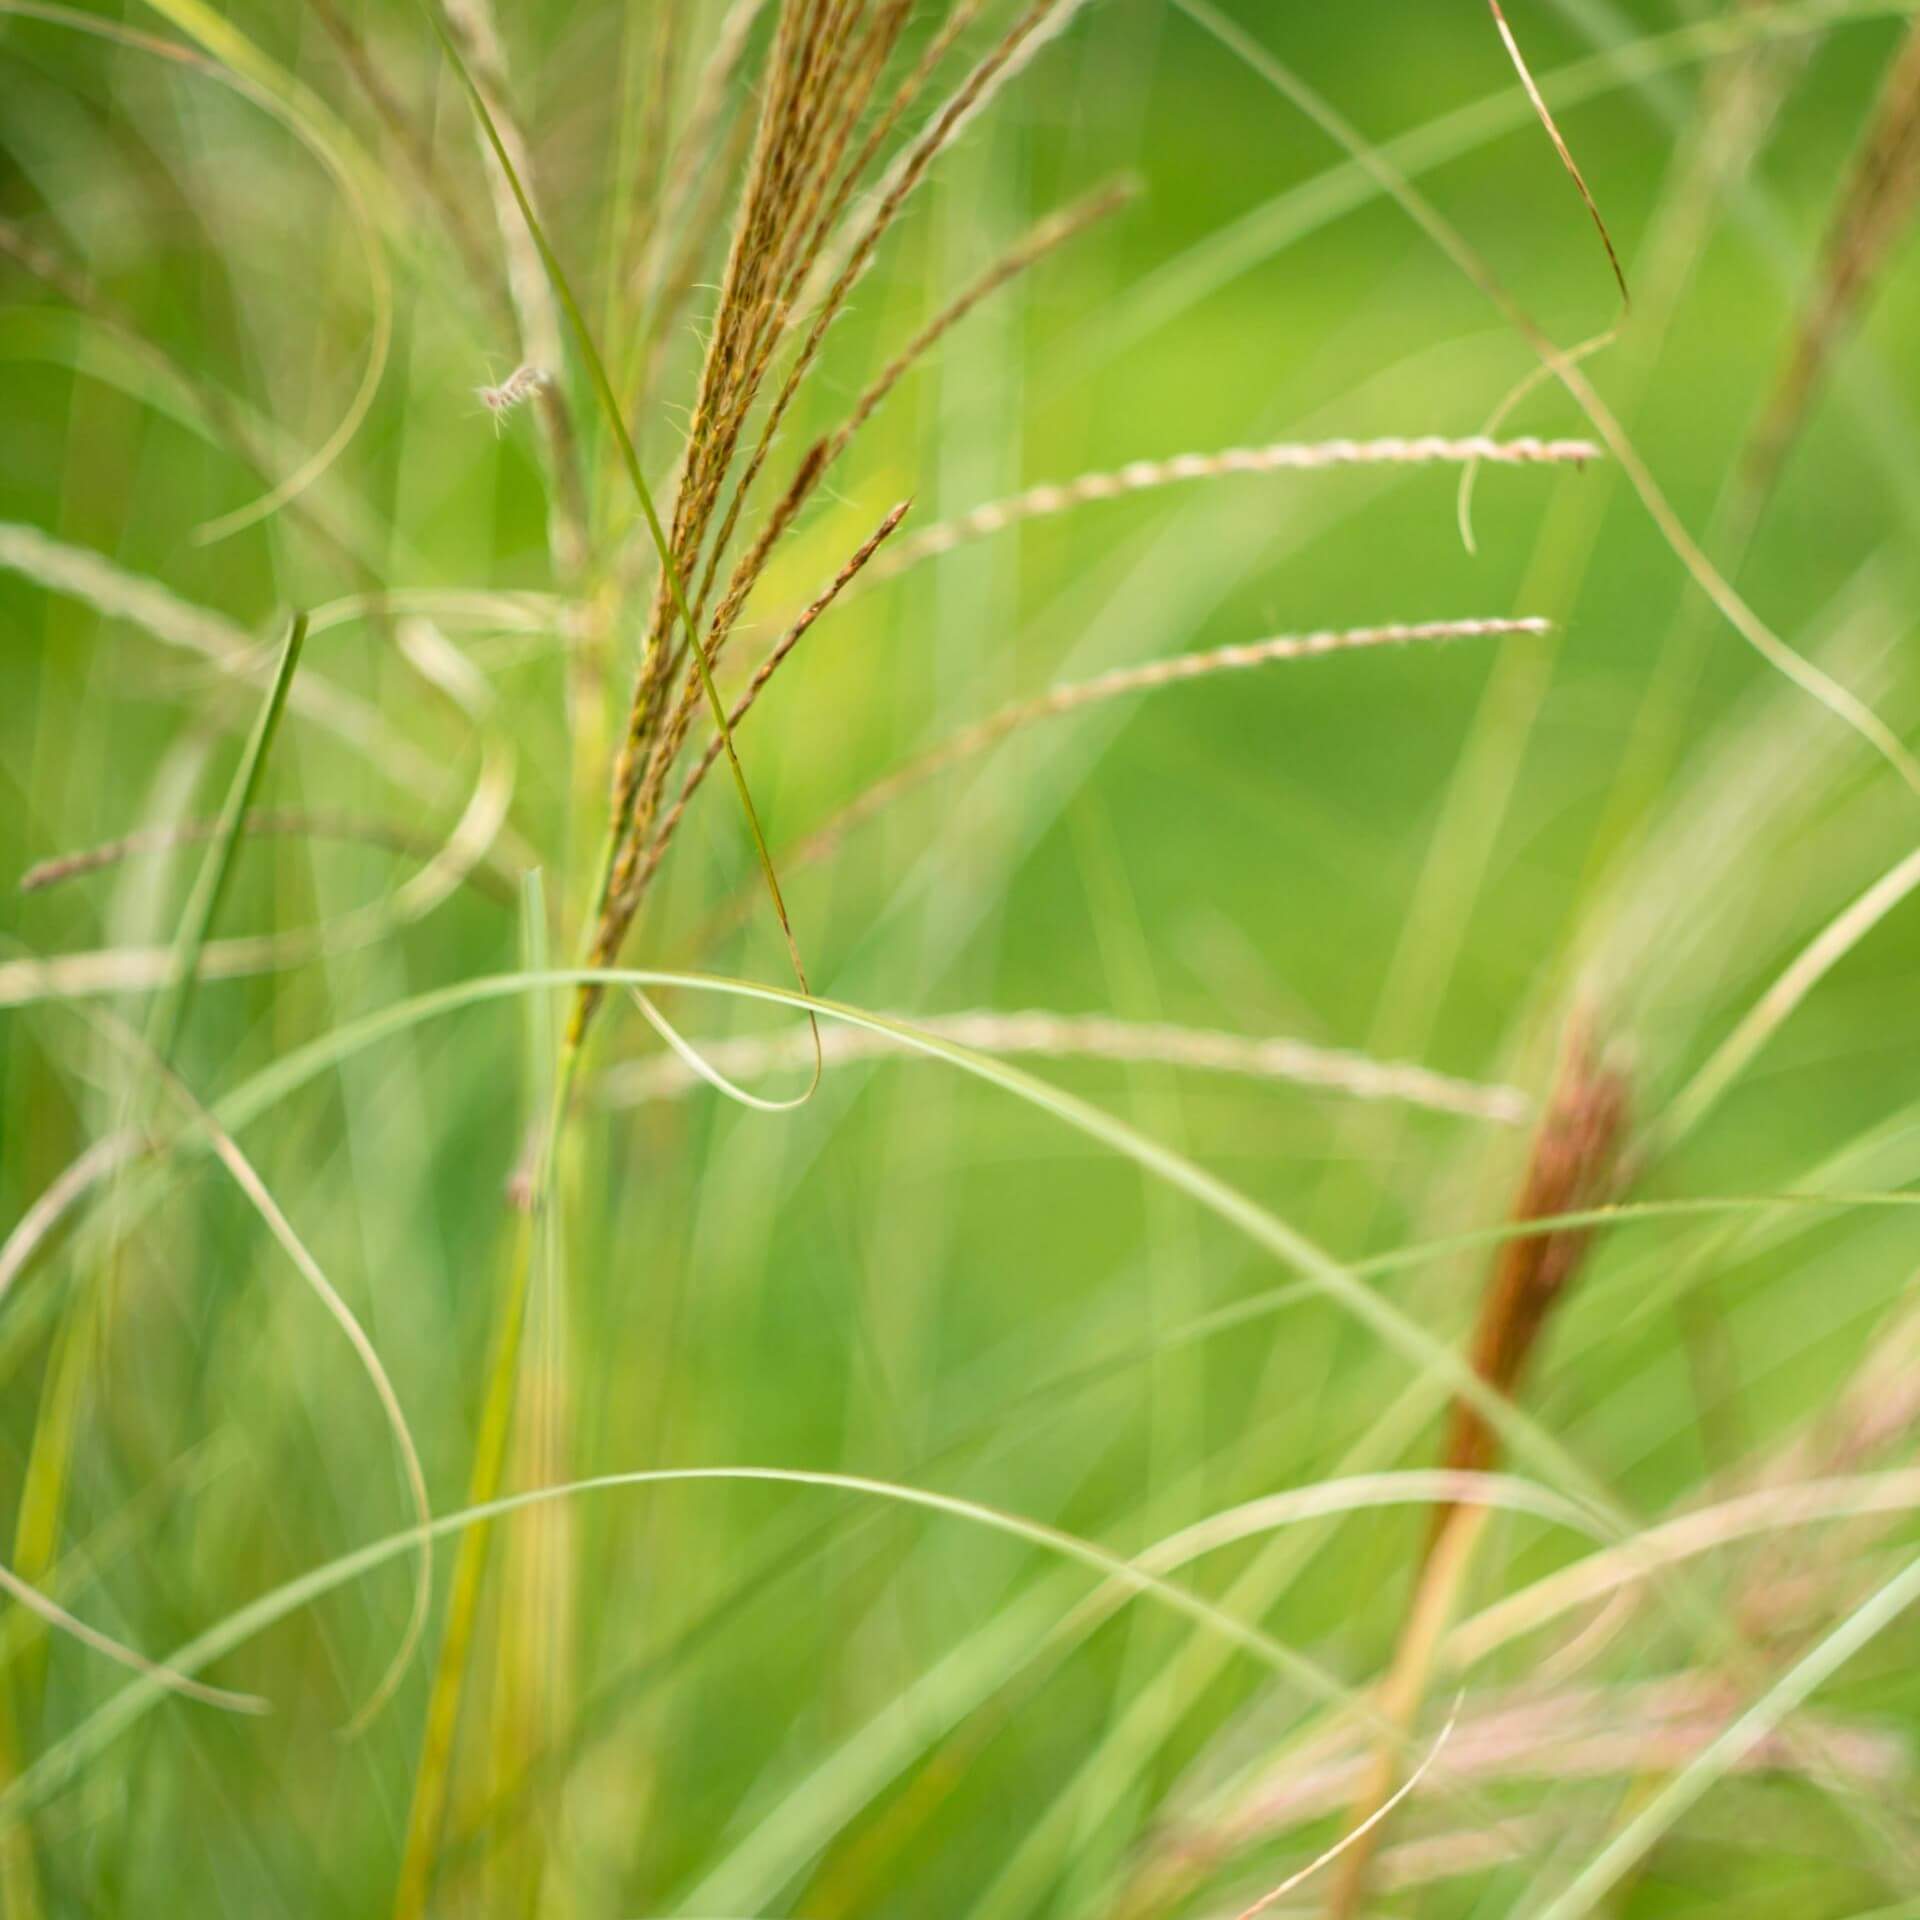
(1345, 1341)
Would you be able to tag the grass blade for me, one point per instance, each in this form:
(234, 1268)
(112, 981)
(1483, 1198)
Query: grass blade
(216, 871)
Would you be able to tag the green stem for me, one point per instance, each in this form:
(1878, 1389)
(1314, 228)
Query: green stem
(427, 1816)
(432, 1776)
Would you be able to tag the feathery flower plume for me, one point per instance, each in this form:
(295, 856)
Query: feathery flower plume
(519, 386)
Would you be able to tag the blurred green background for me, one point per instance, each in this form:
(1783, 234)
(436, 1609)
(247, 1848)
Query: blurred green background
(774, 1699)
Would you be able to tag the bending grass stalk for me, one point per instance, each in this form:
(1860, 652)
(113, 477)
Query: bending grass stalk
(83, 1174)
(1323, 1274)
(1332, 1278)
(76, 1180)
(1482, 792)
(1839, 701)
(703, 1070)
(243, 1174)
(28, 1596)
(64, 1758)
(1103, 1787)
(1405, 1791)
(277, 1082)
(57, 1420)
(71, 1187)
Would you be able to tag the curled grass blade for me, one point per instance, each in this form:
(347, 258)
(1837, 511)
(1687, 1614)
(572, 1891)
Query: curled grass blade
(56, 1616)
(703, 1069)
(246, 1177)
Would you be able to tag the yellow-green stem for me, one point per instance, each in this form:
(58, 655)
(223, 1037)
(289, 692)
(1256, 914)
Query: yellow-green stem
(433, 1774)
(1435, 1599)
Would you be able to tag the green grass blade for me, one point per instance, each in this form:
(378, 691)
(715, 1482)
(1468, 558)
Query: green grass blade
(216, 871)
(1657, 1818)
